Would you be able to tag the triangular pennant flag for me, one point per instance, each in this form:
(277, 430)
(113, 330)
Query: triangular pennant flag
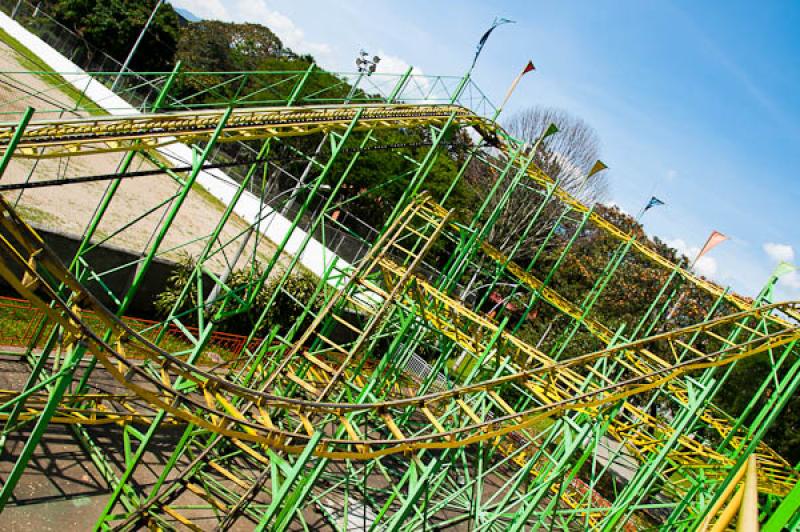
(714, 240)
(529, 67)
(551, 129)
(599, 166)
(654, 202)
(514, 84)
(782, 269)
(497, 22)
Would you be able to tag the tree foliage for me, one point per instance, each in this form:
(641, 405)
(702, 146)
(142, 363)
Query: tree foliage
(385, 167)
(286, 310)
(375, 185)
(215, 46)
(741, 388)
(566, 156)
(634, 285)
(114, 25)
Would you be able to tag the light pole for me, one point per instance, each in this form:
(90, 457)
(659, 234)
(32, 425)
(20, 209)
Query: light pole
(136, 44)
(366, 67)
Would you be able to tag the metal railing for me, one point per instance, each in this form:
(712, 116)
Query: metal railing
(20, 322)
(348, 236)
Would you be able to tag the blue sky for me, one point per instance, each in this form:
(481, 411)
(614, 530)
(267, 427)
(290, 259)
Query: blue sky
(694, 102)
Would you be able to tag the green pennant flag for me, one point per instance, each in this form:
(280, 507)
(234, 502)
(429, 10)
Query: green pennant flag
(551, 129)
(782, 269)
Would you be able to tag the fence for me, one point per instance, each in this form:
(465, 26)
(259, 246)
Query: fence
(20, 322)
(347, 236)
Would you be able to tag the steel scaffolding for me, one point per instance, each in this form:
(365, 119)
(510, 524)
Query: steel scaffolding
(396, 400)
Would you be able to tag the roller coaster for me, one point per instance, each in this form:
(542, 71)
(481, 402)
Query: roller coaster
(397, 400)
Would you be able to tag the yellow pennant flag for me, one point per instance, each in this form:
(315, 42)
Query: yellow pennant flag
(599, 166)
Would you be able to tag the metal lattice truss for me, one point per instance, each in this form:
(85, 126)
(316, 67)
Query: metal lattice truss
(341, 419)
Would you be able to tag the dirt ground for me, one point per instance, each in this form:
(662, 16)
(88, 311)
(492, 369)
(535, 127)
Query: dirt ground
(61, 489)
(69, 208)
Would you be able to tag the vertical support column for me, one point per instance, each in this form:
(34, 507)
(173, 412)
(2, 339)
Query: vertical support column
(39, 363)
(75, 354)
(638, 486)
(15, 138)
(337, 142)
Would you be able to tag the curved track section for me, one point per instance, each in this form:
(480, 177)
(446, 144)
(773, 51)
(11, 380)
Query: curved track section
(210, 402)
(301, 405)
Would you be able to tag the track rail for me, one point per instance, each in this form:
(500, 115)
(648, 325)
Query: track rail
(215, 397)
(293, 413)
(85, 136)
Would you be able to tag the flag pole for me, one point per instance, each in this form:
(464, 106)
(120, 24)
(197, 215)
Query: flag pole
(528, 68)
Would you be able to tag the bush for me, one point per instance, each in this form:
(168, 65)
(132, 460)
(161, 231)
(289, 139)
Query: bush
(285, 310)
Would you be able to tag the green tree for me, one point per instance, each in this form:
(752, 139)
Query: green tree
(114, 25)
(285, 311)
(216, 46)
(741, 388)
(376, 184)
(626, 298)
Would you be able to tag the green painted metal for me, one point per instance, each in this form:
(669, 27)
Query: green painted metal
(12, 144)
(482, 487)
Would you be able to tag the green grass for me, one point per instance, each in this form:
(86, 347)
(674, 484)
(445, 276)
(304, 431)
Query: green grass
(15, 321)
(35, 216)
(18, 321)
(32, 62)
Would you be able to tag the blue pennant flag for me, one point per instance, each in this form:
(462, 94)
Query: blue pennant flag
(498, 21)
(654, 202)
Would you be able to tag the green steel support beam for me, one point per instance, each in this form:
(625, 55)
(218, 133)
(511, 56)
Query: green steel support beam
(53, 400)
(15, 138)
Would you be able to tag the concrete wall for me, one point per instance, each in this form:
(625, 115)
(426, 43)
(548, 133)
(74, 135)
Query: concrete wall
(106, 258)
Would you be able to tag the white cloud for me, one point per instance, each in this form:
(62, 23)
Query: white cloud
(613, 204)
(681, 245)
(417, 88)
(705, 265)
(258, 12)
(791, 280)
(671, 174)
(390, 64)
(779, 252)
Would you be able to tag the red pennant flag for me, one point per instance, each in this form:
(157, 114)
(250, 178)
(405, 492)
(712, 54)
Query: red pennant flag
(529, 67)
(715, 238)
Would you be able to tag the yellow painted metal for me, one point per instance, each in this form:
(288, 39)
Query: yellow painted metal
(740, 496)
(748, 512)
(85, 136)
(774, 468)
(556, 384)
(74, 137)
